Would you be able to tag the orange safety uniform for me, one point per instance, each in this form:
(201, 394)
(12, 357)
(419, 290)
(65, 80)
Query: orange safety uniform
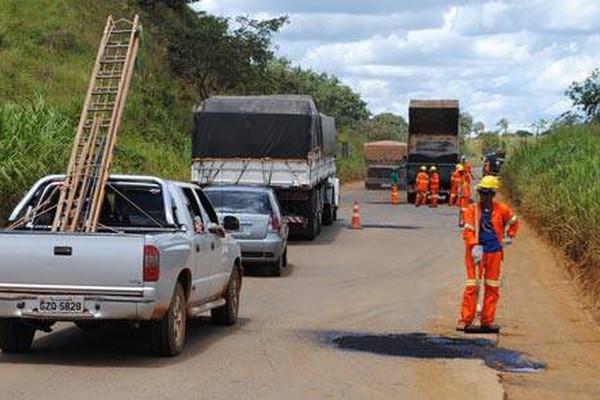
(504, 223)
(464, 198)
(468, 174)
(434, 188)
(422, 185)
(455, 182)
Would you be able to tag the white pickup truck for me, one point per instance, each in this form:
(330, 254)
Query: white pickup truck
(158, 258)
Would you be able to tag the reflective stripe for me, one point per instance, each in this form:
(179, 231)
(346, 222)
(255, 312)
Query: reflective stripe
(469, 227)
(512, 221)
(492, 283)
(471, 282)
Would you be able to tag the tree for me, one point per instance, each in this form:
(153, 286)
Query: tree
(586, 96)
(523, 133)
(540, 125)
(385, 126)
(478, 127)
(503, 125)
(213, 58)
(490, 141)
(330, 94)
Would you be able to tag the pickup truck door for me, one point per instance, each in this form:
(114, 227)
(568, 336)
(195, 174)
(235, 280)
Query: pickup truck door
(220, 270)
(202, 283)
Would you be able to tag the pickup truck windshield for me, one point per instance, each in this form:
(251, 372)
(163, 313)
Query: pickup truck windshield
(239, 201)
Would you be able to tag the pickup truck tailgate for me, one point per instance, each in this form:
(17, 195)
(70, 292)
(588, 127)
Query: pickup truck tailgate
(58, 259)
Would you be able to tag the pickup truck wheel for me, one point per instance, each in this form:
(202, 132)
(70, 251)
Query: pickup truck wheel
(168, 334)
(15, 336)
(227, 314)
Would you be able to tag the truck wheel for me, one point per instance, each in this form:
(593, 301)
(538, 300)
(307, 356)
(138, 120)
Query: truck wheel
(15, 336)
(327, 214)
(335, 217)
(227, 314)
(285, 262)
(168, 334)
(411, 197)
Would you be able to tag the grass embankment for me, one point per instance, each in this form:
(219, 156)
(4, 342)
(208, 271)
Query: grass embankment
(47, 51)
(555, 182)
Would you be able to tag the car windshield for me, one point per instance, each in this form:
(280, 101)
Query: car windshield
(245, 202)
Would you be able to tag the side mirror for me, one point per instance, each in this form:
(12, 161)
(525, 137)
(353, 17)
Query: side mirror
(231, 223)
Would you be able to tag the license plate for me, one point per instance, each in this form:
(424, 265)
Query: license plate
(61, 305)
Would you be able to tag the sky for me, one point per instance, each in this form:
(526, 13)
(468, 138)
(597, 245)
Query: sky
(501, 59)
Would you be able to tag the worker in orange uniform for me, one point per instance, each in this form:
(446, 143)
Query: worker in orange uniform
(464, 196)
(467, 166)
(422, 185)
(434, 186)
(489, 225)
(455, 181)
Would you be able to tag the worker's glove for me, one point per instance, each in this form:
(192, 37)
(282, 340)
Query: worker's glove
(477, 253)
(507, 241)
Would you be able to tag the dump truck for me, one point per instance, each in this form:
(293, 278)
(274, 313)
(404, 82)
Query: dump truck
(381, 158)
(432, 140)
(279, 141)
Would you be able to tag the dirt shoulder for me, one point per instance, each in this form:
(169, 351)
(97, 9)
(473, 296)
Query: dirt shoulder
(542, 314)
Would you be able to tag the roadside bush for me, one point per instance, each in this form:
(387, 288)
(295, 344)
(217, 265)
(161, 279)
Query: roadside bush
(555, 182)
(34, 141)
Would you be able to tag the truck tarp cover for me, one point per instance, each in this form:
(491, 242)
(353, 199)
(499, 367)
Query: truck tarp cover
(385, 151)
(282, 127)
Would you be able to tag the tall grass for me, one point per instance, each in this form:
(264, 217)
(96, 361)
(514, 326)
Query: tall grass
(34, 141)
(351, 168)
(556, 183)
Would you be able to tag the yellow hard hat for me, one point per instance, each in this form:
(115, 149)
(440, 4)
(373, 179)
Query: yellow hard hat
(423, 168)
(432, 168)
(489, 182)
(459, 167)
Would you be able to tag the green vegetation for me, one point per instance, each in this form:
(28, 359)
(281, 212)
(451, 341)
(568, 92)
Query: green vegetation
(47, 51)
(554, 181)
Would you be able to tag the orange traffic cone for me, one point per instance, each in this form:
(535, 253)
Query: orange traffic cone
(395, 195)
(355, 224)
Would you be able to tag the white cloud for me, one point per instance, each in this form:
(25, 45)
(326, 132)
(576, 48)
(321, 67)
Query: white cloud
(501, 58)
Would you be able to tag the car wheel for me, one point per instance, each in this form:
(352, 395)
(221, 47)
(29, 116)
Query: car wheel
(168, 334)
(15, 336)
(277, 267)
(227, 314)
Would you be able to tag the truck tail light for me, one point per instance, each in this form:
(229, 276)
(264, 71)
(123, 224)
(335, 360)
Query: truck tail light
(274, 223)
(151, 264)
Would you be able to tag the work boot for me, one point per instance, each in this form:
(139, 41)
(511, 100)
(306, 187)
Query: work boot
(461, 326)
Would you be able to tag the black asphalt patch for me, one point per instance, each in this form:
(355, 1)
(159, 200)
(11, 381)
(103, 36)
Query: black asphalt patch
(422, 345)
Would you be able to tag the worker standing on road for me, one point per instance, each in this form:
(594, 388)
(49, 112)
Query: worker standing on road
(422, 185)
(394, 178)
(467, 166)
(434, 186)
(488, 225)
(464, 196)
(455, 182)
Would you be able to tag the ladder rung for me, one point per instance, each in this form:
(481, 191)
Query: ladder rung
(106, 76)
(94, 109)
(120, 31)
(103, 104)
(113, 61)
(107, 90)
(116, 45)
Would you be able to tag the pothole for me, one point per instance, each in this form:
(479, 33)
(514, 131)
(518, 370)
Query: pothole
(422, 345)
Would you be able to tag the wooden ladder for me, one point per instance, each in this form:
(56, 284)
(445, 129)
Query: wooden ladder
(82, 192)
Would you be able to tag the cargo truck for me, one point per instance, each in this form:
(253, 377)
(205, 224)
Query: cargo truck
(280, 141)
(381, 158)
(432, 140)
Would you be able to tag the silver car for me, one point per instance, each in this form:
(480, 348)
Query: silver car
(263, 230)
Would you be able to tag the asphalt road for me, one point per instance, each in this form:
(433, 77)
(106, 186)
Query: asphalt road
(360, 314)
